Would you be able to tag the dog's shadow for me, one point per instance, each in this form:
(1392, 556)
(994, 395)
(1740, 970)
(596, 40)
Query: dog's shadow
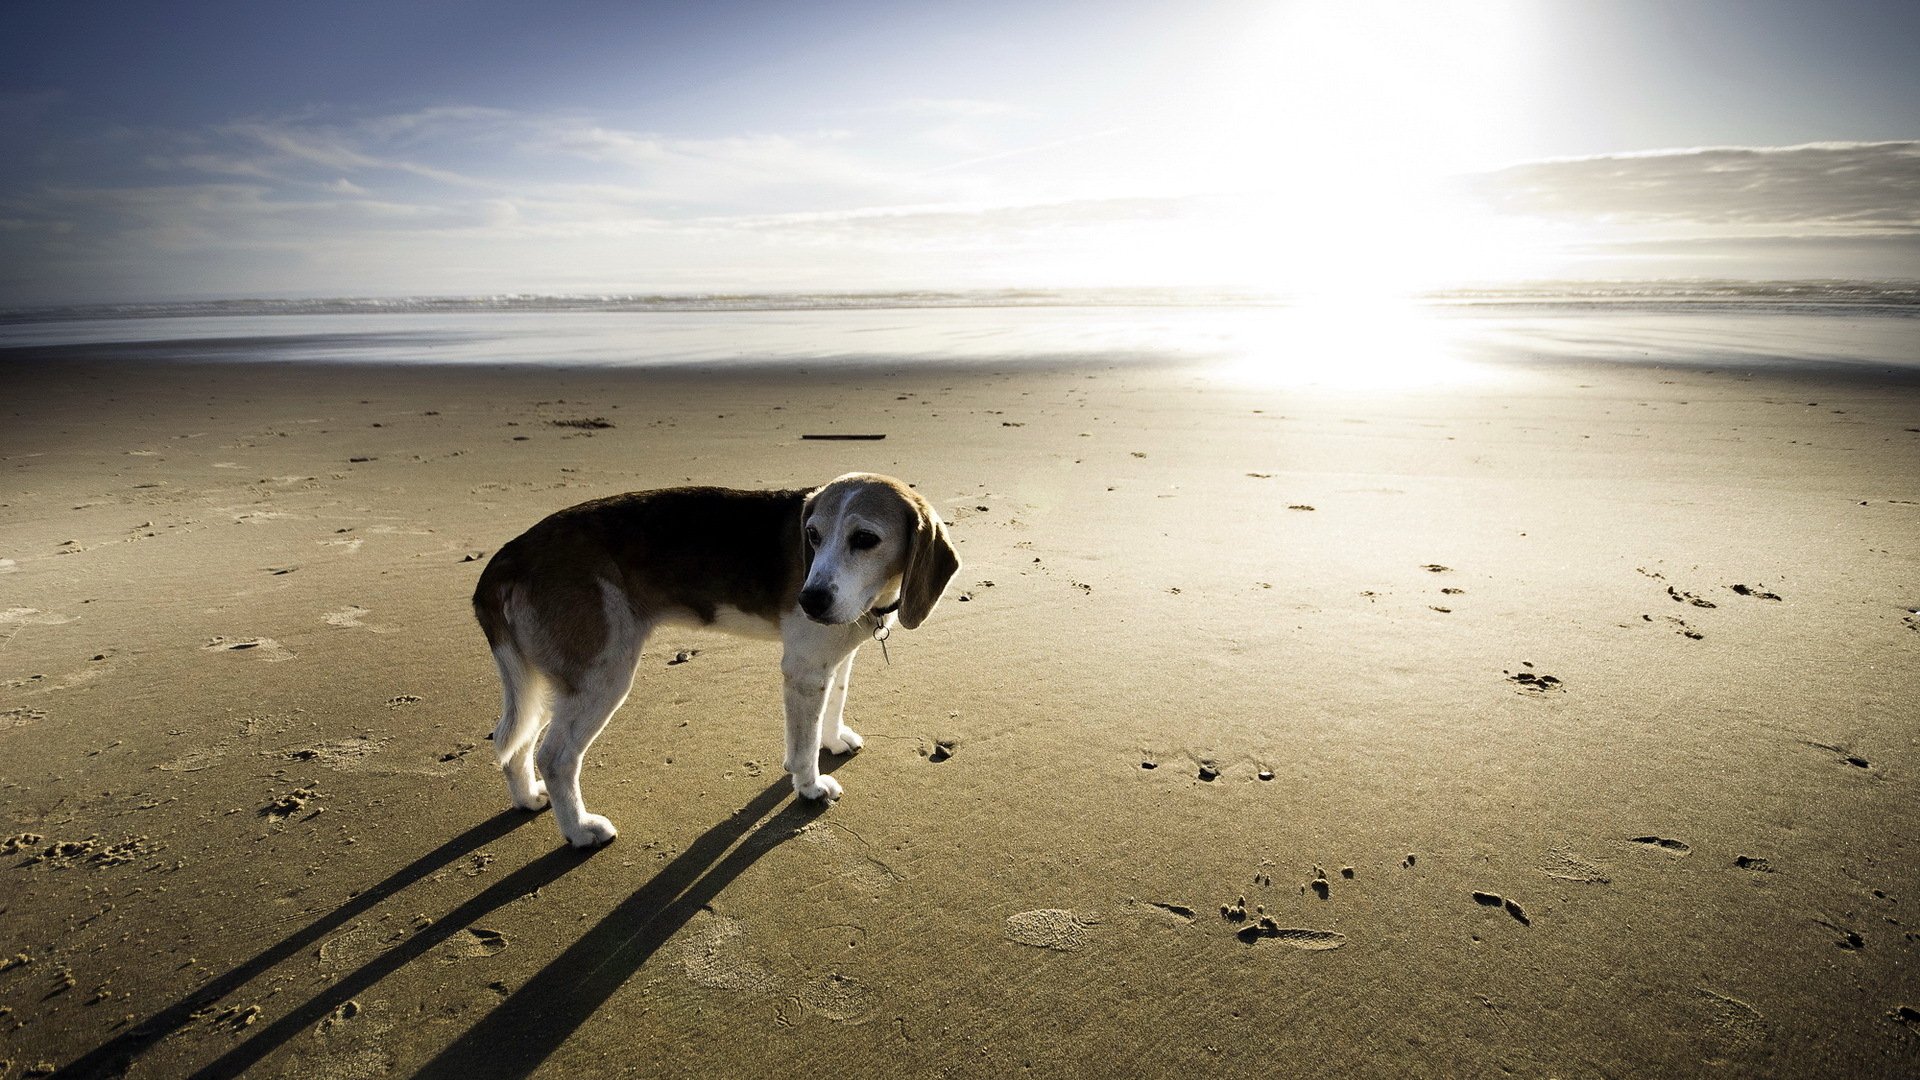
(519, 1033)
(524, 1029)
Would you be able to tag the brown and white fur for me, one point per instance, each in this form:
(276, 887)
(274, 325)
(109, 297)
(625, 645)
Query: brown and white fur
(568, 604)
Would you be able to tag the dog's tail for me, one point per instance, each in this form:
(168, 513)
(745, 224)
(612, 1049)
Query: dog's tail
(522, 708)
(490, 595)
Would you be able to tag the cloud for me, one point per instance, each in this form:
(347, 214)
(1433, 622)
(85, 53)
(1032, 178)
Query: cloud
(561, 155)
(1827, 187)
(422, 125)
(471, 199)
(338, 150)
(747, 172)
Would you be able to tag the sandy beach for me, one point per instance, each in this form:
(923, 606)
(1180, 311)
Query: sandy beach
(1560, 723)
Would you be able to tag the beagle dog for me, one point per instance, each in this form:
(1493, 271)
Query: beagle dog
(567, 605)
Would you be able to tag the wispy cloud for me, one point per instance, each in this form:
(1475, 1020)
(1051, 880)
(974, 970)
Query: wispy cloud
(345, 150)
(742, 172)
(1834, 187)
(472, 199)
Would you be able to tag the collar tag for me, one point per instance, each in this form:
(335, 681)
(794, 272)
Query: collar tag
(880, 628)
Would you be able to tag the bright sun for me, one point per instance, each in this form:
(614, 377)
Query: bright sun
(1345, 122)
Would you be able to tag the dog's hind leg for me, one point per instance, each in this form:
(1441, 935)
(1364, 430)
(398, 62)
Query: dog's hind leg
(522, 709)
(835, 735)
(581, 708)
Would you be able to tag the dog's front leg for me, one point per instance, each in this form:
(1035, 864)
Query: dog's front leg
(835, 735)
(813, 655)
(806, 699)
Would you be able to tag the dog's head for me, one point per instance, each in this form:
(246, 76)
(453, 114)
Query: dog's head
(868, 539)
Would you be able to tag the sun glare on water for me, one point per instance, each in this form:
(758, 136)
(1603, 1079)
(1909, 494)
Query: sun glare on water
(1353, 344)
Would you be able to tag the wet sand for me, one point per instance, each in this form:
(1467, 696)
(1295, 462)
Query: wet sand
(1562, 724)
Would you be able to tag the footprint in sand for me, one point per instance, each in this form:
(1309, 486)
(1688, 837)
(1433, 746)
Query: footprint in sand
(232, 1018)
(1688, 598)
(264, 648)
(293, 802)
(348, 616)
(1564, 865)
(1050, 928)
(97, 666)
(354, 946)
(1735, 1025)
(345, 1011)
(840, 998)
(25, 616)
(473, 943)
(94, 851)
(1843, 937)
(847, 857)
(1488, 899)
(1178, 912)
(1663, 843)
(1844, 755)
(344, 753)
(1295, 937)
(1533, 682)
(21, 717)
(712, 953)
(1679, 626)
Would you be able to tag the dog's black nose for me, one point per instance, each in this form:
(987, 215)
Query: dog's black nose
(816, 601)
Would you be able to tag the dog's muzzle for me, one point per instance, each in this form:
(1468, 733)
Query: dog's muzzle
(817, 602)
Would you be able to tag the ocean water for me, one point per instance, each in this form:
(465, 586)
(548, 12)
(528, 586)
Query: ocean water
(1351, 341)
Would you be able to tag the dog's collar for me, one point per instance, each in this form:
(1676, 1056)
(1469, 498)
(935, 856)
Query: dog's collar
(880, 628)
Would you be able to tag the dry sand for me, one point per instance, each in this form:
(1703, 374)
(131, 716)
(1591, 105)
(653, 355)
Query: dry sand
(1565, 726)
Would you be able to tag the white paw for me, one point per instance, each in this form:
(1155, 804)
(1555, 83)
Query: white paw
(845, 741)
(824, 787)
(592, 831)
(532, 798)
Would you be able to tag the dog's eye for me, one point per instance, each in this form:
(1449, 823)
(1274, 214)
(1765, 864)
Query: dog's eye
(862, 540)
(813, 536)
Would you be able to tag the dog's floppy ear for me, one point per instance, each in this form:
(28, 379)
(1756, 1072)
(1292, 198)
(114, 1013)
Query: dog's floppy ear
(931, 563)
(806, 511)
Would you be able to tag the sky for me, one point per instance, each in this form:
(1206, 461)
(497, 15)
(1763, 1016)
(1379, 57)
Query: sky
(209, 150)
